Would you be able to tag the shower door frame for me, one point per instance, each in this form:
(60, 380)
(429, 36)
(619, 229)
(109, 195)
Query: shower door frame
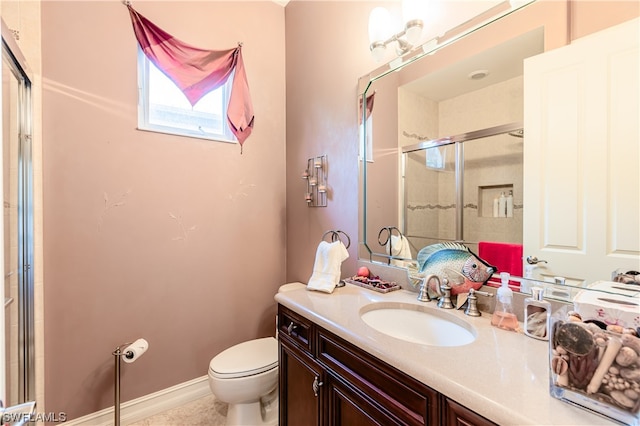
(12, 56)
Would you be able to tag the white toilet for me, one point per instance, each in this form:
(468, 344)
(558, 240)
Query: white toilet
(246, 377)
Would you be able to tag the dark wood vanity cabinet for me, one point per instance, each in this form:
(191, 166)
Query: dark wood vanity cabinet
(325, 380)
(457, 415)
(301, 378)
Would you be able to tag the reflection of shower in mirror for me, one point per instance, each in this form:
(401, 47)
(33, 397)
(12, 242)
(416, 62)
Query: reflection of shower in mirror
(458, 206)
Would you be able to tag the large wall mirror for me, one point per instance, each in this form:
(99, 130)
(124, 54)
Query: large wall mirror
(444, 153)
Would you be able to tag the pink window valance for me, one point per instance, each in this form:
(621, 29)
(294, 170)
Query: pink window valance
(197, 71)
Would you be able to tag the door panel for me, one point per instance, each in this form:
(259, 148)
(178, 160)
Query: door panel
(299, 402)
(582, 183)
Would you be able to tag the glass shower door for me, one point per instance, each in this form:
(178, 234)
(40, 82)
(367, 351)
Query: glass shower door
(18, 233)
(429, 195)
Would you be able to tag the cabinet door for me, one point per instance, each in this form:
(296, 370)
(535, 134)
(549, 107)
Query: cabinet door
(301, 388)
(457, 415)
(402, 397)
(581, 151)
(347, 407)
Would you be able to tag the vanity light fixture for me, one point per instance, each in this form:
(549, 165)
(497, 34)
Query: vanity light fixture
(381, 29)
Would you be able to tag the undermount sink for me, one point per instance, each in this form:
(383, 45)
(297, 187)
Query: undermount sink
(417, 324)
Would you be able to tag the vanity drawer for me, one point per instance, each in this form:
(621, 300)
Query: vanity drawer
(295, 328)
(404, 397)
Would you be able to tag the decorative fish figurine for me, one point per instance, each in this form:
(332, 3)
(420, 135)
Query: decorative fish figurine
(457, 263)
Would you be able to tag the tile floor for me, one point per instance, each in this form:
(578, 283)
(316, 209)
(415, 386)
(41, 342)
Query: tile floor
(201, 412)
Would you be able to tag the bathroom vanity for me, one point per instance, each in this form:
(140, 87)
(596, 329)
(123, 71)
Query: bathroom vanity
(336, 369)
(324, 377)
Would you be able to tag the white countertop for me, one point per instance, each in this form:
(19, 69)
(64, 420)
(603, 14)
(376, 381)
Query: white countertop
(502, 375)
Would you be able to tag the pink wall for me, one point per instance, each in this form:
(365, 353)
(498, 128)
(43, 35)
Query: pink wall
(595, 15)
(114, 274)
(327, 51)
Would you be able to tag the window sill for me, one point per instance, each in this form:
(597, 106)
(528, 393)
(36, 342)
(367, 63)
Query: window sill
(185, 135)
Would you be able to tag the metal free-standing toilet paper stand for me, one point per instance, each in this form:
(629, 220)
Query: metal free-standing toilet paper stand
(128, 353)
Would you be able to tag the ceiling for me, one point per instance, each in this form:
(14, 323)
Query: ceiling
(502, 62)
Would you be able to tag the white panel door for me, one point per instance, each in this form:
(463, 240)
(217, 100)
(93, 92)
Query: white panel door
(582, 156)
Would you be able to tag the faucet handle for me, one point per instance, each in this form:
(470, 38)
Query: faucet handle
(472, 304)
(445, 301)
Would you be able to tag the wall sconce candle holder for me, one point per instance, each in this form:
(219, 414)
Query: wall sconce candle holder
(316, 176)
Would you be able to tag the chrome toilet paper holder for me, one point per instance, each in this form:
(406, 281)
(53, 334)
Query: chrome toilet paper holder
(130, 355)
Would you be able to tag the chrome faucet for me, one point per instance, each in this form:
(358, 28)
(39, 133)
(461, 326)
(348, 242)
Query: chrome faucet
(423, 295)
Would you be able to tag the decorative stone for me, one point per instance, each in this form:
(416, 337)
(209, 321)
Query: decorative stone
(574, 338)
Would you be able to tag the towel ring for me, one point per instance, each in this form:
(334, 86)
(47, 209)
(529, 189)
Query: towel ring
(389, 232)
(335, 236)
(387, 238)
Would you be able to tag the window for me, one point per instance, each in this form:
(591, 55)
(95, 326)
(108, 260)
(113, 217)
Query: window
(163, 108)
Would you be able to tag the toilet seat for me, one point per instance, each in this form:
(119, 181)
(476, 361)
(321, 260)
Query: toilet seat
(245, 359)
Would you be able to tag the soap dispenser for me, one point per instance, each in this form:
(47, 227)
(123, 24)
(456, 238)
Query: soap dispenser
(527, 282)
(536, 315)
(503, 316)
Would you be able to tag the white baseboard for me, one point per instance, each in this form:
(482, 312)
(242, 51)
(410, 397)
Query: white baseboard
(148, 405)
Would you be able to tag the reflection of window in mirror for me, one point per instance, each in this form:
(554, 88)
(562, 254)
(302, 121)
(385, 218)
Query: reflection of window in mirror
(366, 129)
(368, 124)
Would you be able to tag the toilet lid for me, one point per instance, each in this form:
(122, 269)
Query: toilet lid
(246, 359)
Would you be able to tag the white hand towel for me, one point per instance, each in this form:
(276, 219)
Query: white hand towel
(399, 248)
(327, 266)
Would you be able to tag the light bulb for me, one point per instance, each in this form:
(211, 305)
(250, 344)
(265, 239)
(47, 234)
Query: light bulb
(377, 51)
(414, 31)
(414, 13)
(379, 25)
